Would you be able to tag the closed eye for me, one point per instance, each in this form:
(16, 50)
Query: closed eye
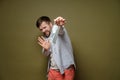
(40, 29)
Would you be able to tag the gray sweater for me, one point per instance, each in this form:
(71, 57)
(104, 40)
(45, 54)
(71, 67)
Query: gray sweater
(61, 50)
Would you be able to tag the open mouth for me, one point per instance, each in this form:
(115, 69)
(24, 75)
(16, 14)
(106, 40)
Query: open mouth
(47, 34)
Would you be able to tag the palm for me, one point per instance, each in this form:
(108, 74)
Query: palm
(44, 43)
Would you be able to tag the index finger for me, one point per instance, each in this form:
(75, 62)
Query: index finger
(42, 38)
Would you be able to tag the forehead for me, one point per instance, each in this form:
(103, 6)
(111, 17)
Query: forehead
(43, 24)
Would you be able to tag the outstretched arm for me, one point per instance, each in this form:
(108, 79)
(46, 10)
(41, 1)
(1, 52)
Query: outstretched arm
(60, 21)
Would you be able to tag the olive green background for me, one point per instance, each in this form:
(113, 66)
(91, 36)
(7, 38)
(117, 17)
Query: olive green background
(93, 26)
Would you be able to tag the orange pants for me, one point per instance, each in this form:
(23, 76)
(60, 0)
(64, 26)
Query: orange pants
(56, 75)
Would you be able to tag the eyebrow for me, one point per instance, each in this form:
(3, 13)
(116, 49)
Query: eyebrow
(42, 28)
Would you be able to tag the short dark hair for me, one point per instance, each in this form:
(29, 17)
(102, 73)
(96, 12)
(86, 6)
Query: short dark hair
(42, 19)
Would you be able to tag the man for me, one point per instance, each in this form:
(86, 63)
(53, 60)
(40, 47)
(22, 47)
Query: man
(61, 64)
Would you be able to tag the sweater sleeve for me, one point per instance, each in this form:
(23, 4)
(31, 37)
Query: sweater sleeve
(61, 31)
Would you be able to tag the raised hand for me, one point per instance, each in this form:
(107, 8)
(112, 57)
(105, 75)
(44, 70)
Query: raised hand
(44, 43)
(60, 21)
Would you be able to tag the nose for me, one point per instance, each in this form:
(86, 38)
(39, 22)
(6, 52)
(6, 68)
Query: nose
(43, 30)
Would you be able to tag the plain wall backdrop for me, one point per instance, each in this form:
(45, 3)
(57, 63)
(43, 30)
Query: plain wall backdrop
(93, 26)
